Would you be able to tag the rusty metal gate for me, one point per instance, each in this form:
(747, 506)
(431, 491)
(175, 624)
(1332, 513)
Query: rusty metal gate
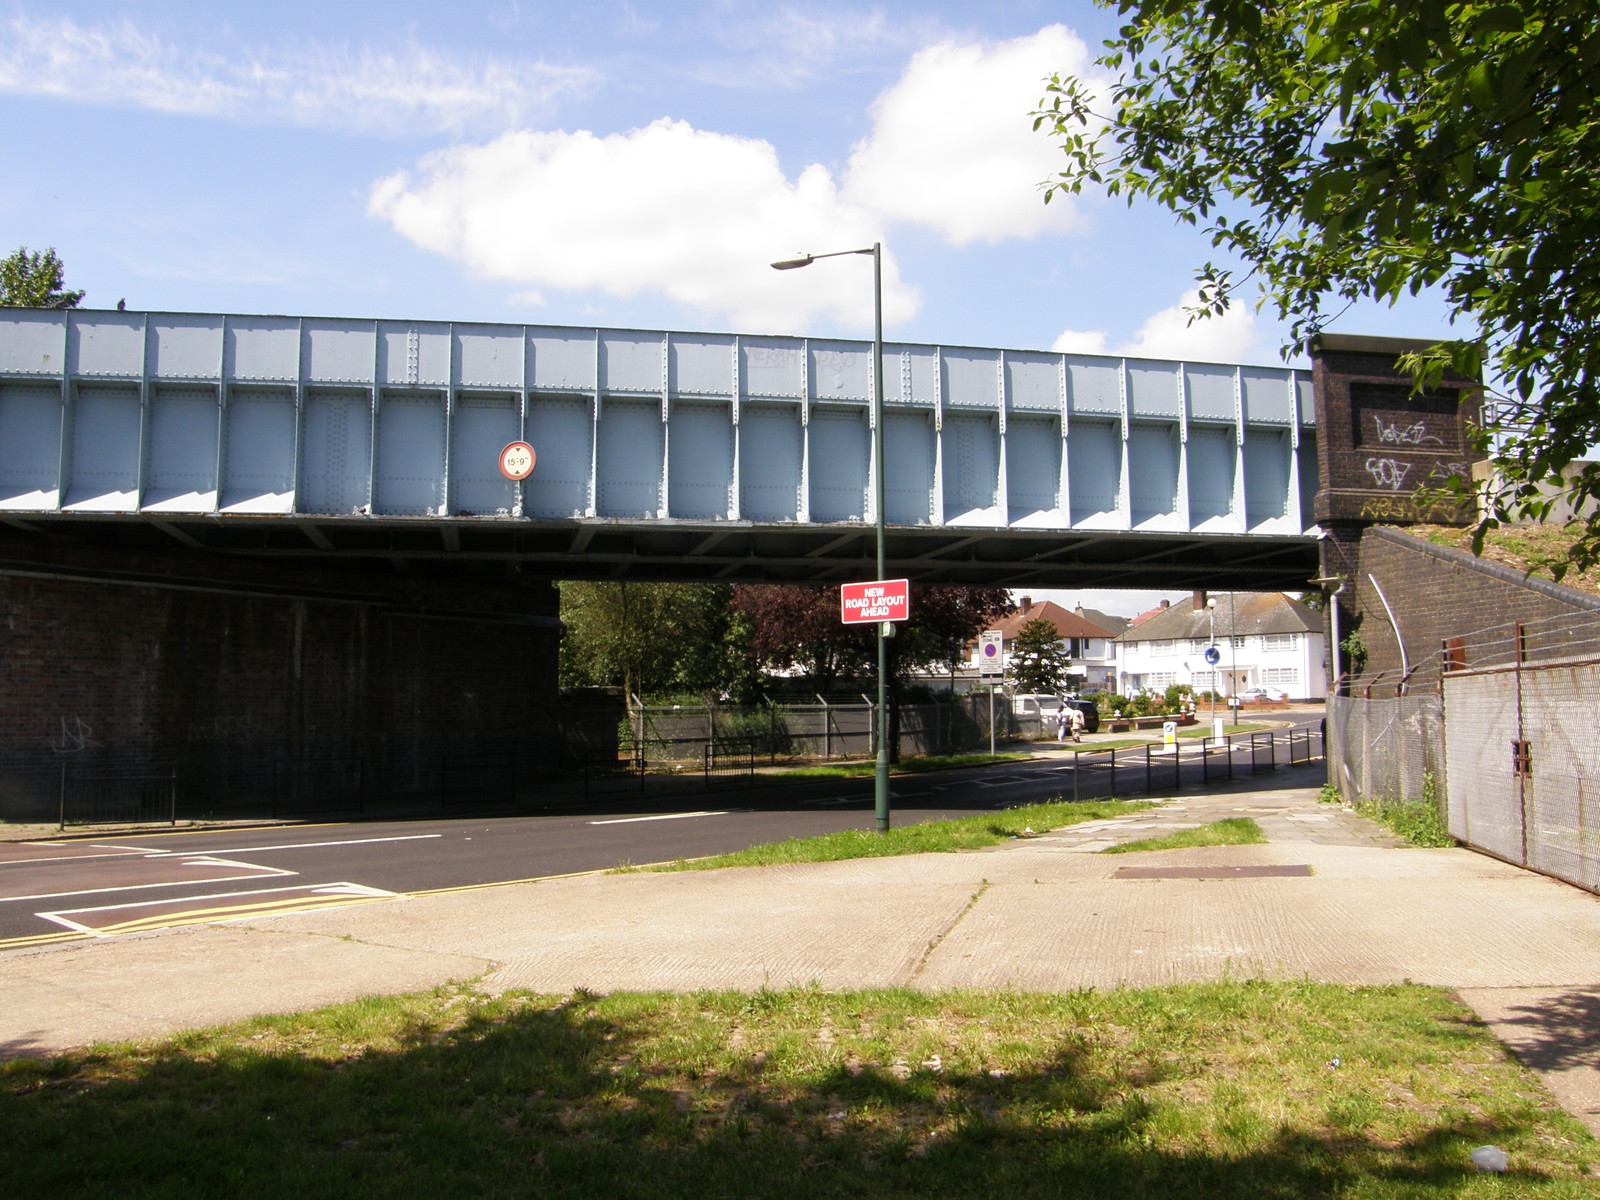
(1524, 759)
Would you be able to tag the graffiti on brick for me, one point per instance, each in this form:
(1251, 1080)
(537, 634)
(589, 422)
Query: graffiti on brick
(1408, 508)
(1387, 473)
(1395, 434)
(76, 736)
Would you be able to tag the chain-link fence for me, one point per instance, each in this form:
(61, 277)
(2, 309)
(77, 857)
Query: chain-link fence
(1389, 748)
(787, 732)
(1501, 733)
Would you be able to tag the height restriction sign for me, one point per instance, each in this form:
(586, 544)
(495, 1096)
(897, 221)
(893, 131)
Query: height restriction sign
(516, 461)
(885, 600)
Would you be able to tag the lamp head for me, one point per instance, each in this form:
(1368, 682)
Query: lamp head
(789, 264)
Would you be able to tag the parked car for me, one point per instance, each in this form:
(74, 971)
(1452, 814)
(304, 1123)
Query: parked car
(1264, 692)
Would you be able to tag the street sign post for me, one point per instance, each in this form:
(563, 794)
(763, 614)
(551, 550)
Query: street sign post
(990, 646)
(991, 662)
(870, 603)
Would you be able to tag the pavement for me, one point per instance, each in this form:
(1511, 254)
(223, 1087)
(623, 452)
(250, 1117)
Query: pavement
(1330, 897)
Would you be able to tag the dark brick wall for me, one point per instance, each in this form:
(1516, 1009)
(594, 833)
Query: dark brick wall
(241, 677)
(1439, 593)
(1377, 445)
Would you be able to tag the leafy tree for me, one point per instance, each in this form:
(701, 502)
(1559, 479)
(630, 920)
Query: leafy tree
(651, 638)
(1038, 659)
(34, 281)
(1347, 149)
(797, 625)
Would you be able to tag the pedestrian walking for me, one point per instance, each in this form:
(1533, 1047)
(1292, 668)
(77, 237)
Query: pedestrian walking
(1075, 723)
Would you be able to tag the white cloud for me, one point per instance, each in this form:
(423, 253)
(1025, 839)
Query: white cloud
(789, 48)
(694, 216)
(1170, 334)
(953, 147)
(401, 92)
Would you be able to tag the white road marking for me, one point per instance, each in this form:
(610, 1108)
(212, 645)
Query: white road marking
(333, 891)
(409, 837)
(662, 817)
(255, 872)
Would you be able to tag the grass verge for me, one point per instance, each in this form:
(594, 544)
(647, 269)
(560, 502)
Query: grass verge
(926, 837)
(1235, 831)
(1253, 1091)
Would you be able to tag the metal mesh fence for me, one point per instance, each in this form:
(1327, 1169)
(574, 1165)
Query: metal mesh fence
(1504, 735)
(826, 731)
(1525, 756)
(1389, 748)
(1484, 809)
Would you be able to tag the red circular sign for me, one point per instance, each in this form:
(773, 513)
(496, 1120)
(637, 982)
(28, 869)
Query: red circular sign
(516, 461)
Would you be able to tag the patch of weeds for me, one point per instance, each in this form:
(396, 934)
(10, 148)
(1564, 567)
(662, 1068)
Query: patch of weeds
(1236, 831)
(1419, 822)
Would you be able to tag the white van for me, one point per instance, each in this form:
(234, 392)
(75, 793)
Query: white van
(1027, 704)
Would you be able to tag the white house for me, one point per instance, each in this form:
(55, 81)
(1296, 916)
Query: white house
(1092, 648)
(1262, 639)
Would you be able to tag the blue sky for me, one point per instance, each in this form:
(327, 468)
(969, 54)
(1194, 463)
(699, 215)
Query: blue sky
(619, 164)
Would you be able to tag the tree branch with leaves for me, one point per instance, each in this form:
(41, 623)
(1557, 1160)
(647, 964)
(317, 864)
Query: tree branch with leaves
(1362, 149)
(34, 280)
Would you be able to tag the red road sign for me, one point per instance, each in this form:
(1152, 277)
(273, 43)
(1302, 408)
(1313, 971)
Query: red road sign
(516, 461)
(885, 600)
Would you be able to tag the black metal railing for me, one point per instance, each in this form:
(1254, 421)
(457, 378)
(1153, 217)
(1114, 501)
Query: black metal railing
(1098, 774)
(136, 797)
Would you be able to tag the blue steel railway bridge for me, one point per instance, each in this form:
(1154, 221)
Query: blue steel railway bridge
(274, 559)
(667, 456)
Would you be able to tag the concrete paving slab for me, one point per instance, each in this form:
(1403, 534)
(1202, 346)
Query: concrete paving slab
(156, 985)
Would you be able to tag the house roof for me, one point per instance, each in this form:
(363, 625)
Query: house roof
(1114, 626)
(1068, 624)
(1238, 613)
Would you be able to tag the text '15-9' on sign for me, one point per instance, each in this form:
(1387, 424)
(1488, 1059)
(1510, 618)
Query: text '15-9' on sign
(885, 600)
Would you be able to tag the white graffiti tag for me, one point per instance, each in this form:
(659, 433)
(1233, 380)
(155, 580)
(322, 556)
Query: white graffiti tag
(76, 735)
(1387, 473)
(1403, 435)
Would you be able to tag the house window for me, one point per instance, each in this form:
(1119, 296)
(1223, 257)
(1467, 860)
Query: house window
(1160, 681)
(1279, 641)
(1164, 648)
(1284, 677)
(1204, 681)
(1198, 645)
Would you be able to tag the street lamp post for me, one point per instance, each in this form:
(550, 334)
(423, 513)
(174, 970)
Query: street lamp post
(880, 786)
